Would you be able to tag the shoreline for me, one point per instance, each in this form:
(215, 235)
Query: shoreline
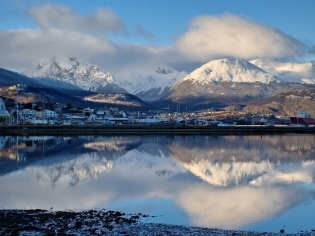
(101, 222)
(25, 130)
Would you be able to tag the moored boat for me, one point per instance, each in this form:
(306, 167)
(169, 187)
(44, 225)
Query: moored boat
(302, 118)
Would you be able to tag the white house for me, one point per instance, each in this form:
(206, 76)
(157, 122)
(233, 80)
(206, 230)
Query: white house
(26, 114)
(47, 114)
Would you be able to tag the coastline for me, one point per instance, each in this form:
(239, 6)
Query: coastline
(25, 130)
(101, 222)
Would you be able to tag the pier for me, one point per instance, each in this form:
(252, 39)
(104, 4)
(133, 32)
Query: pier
(24, 130)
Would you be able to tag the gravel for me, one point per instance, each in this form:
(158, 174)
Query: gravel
(99, 222)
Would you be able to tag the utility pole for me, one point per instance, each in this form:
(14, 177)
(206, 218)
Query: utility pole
(17, 104)
(43, 112)
(17, 152)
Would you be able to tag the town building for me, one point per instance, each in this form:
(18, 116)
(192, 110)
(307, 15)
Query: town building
(27, 114)
(47, 115)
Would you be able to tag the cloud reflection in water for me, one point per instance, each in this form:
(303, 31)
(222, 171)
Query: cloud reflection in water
(227, 181)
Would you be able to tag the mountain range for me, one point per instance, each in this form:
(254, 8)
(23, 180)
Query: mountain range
(228, 81)
(55, 91)
(72, 71)
(216, 84)
(147, 82)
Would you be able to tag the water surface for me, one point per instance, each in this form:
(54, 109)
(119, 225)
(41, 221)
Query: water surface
(261, 183)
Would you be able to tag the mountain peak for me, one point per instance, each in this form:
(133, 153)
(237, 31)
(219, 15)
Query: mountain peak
(77, 72)
(163, 70)
(149, 82)
(229, 70)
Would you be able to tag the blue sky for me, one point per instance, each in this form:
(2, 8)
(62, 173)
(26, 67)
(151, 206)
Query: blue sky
(176, 32)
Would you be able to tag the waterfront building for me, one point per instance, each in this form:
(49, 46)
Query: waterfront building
(47, 115)
(26, 114)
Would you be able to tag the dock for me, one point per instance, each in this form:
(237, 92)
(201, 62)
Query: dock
(58, 130)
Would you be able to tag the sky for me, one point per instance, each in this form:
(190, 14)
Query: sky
(118, 35)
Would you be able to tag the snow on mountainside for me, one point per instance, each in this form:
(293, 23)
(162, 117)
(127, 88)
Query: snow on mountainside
(289, 71)
(149, 82)
(118, 99)
(73, 71)
(126, 161)
(229, 70)
(146, 82)
(220, 83)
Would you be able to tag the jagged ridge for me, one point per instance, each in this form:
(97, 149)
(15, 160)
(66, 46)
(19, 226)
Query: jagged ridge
(73, 71)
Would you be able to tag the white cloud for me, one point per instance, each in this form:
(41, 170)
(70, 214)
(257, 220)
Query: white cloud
(234, 207)
(65, 33)
(24, 47)
(61, 16)
(212, 37)
(20, 49)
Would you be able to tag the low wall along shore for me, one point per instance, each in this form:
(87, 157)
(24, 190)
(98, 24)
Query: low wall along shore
(147, 130)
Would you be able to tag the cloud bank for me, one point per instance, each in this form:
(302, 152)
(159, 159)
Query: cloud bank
(231, 36)
(63, 32)
(61, 16)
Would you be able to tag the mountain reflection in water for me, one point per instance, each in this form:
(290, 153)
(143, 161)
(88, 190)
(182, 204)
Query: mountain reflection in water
(232, 182)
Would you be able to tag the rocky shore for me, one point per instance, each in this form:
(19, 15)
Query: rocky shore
(99, 222)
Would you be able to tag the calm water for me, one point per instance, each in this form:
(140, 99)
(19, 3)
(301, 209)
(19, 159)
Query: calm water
(261, 183)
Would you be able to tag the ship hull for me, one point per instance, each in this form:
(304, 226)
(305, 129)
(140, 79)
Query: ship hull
(299, 120)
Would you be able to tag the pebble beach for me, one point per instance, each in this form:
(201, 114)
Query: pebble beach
(101, 222)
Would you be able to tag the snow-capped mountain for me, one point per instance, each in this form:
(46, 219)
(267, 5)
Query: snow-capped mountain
(224, 82)
(215, 84)
(149, 82)
(288, 71)
(229, 70)
(73, 71)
